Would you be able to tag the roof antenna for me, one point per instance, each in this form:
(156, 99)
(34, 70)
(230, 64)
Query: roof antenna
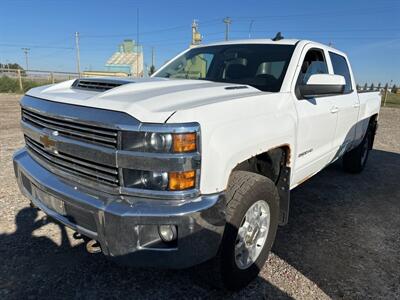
(278, 37)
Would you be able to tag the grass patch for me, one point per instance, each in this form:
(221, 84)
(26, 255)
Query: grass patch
(392, 100)
(11, 85)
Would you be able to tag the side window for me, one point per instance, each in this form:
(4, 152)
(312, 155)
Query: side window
(314, 63)
(340, 67)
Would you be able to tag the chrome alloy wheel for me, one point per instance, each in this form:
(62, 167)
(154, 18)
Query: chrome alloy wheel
(252, 234)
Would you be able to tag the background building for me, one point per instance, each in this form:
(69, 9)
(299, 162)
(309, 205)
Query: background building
(127, 59)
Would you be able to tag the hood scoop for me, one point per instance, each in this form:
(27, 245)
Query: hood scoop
(98, 84)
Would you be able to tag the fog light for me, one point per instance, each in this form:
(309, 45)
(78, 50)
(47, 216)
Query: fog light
(167, 232)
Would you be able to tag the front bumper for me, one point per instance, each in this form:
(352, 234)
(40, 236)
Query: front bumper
(127, 227)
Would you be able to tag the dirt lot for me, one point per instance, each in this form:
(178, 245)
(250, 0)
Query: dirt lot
(342, 241)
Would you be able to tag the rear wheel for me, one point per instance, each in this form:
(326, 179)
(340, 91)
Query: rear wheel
(252, 221)
(355, 160)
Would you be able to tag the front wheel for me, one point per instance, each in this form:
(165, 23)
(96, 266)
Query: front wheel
(252, 221)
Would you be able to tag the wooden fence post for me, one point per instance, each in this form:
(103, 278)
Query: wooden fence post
(52, 77)
(20, 80)
(384, 99)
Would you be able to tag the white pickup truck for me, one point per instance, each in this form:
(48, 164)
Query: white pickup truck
(196, 163)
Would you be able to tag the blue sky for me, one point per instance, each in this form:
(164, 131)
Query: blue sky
(368, 31)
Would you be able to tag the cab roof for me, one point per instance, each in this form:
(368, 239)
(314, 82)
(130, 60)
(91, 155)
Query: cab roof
(272, 42)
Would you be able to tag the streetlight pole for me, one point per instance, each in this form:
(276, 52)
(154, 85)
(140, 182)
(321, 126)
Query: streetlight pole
(26, 51)
(137, 43)
(227, 22)
(250, 27)
(78, 56)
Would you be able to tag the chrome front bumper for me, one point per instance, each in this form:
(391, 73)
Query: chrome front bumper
(127, 227)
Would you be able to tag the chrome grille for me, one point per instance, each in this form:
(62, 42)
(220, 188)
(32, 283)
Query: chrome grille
(74, 165)
(88, 133)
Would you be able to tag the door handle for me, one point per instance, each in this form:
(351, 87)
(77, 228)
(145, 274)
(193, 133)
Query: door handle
(334, 109)
(356, 105)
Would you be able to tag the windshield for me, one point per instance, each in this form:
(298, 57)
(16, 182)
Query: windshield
(262, 66)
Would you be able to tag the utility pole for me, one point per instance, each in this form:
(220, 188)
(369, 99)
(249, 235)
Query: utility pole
(228, 23)
(78, 56)
(250, 27)
(26, 51)
(152, 56)
(137, 43)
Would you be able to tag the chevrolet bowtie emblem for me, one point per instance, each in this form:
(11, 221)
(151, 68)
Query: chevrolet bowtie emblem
(47, 142)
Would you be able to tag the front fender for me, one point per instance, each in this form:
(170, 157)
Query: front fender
(231, 134)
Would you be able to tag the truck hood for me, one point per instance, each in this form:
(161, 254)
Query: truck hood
(148, 100)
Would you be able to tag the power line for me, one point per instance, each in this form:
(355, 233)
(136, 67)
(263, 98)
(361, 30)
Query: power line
(380, 9)
(49, 54)
(33, 46)
(175, 28)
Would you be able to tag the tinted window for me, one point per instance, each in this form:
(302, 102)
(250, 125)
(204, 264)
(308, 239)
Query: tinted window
(261, 66)
(340, 67)
(194, 68)
(314, 63)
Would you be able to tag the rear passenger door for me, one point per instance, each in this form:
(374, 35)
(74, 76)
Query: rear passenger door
(347, 105)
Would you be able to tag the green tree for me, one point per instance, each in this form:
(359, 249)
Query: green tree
(357, 87)
(394, 89)
(365, 87)
(13, 66)
(379, 86)
(372, 87)
(152, 70)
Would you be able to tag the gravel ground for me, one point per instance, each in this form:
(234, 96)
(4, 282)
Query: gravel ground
(342, 240)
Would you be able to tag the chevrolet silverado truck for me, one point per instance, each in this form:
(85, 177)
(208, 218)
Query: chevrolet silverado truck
(195, 164)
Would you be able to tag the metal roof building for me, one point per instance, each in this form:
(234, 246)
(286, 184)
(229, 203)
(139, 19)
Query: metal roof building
(128, 59)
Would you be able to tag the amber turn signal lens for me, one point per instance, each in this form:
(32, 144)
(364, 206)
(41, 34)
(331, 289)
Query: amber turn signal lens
(184, 142)
(182, 180)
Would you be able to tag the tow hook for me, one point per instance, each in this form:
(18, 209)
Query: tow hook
(93, 247)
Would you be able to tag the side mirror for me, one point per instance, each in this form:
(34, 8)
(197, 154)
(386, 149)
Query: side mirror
(323, 84)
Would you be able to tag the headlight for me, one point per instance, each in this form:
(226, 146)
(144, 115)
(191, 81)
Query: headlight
(170, 145)
(163, 181)
(145, 179)
(159, 142)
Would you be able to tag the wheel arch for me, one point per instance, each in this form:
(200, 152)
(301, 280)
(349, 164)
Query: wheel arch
(275, 164)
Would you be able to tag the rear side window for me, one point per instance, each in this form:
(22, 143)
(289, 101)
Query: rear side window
(340, 67)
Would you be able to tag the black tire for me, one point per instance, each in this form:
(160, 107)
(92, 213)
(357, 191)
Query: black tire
(355, 160)
(244, 189)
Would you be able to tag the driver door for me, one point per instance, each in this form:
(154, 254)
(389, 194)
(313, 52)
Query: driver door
(317, 119)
